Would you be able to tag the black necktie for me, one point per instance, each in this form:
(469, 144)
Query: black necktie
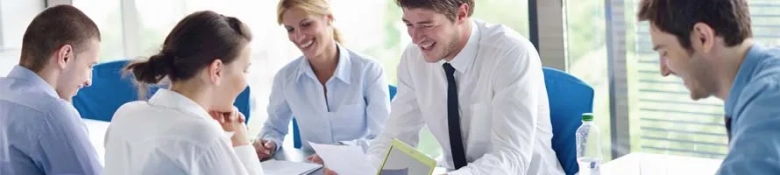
(453, 119)
(727, 120)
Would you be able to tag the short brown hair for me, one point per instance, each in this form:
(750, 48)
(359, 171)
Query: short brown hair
(194, 43)
(729, 18)
(447, 7)
(53, 28)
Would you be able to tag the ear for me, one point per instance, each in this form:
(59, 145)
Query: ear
(329, 18)
(63, 55)
(216, 69)
(463, 13)
(704, 36)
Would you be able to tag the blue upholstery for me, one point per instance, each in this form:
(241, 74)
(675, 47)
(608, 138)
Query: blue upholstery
(110, 89)
(297, 133)
(569, 98)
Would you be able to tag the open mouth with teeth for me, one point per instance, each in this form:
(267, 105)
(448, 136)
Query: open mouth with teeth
(306, 45)
(426, 46)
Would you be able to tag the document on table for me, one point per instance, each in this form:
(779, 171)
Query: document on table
(344, 160)
(278, 167)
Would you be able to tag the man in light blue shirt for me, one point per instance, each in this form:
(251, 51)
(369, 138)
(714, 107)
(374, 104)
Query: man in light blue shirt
(709, 45)
(40, 131)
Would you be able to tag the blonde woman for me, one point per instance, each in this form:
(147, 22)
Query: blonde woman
(336, 95)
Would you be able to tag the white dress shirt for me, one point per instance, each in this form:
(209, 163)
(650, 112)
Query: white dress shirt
(505, 121)
(356, 108)
(171, 134)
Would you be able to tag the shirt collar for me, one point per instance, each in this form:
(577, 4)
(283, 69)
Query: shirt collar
(28, 75)
(465, 58)
(174, 100)
(343, 67)
(744, 75)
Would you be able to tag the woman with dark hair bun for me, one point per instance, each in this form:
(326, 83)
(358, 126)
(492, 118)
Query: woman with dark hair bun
(191, 127)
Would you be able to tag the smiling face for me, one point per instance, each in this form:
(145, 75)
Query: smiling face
(435, 35)
(312, 34)
(690, 65)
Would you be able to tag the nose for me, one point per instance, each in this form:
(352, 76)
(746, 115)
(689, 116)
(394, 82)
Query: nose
(417, 36)
(665, 71)
(298, 36)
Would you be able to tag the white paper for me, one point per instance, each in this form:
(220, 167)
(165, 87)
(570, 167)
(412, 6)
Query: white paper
(277, 167)
(344, 160)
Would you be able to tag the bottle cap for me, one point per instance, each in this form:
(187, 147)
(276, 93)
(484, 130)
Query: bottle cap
(587, 117)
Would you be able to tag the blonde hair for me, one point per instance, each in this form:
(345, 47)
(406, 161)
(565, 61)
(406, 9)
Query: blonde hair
(312, 7)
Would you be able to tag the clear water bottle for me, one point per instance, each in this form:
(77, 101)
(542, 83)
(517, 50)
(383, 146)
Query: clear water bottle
(588, 146)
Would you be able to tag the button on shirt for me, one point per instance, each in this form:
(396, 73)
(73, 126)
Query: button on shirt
(754, 107)
(39, 132)
(171, 134)
(354, 112)
(504, 113)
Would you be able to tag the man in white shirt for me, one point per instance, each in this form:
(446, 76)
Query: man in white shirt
(488, 75)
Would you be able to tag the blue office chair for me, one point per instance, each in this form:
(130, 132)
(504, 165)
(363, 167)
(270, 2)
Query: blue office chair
(111, 88)
(569, 98)
(297, 143)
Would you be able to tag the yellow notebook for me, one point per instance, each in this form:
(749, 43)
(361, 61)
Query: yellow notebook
(402, 159)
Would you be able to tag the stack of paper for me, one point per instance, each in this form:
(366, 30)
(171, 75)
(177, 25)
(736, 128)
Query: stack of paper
(277, 167)
(344, 160)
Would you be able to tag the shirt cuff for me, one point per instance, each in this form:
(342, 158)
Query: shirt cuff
(247, 155)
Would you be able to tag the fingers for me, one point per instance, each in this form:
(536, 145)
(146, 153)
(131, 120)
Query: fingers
(241, 118)
(217, 116)
(234, 115)
(262, 151)
(316, 159)
(269, 146)
(327, 171)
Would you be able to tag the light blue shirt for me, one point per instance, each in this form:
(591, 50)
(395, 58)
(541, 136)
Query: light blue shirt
(754, 107)
(42, 133)
(356, 108)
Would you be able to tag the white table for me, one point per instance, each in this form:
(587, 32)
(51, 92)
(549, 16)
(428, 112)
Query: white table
(658, 164)
(97, 131)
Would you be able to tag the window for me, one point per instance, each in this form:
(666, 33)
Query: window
(586, 53)
(663, 118)
(107, 14)
(512, 13)
(14, 18)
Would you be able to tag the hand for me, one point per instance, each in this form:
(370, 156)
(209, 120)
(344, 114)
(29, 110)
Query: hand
(265, 149)
(327, 171)
(232, 121)
(316, 159)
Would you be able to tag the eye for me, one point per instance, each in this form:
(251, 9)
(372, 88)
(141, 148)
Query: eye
(306, 24)
(289, 29)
